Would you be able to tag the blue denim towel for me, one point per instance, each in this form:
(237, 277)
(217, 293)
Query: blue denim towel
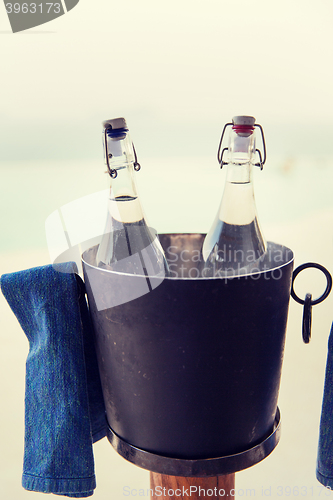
(324, 470)
(64, 407)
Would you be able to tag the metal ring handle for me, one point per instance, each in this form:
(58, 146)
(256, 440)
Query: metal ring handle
(308, 302)
(328, 286)
(307, 318)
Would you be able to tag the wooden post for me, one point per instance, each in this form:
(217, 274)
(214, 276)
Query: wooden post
(163, 487)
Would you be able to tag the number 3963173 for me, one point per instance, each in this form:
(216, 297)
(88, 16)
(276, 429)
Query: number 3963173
(33, 8)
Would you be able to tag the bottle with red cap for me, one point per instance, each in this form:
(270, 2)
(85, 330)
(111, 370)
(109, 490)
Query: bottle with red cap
(235, 244)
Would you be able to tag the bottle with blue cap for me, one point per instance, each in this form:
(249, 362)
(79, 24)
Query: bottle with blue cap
(235, 244)
(128, 244)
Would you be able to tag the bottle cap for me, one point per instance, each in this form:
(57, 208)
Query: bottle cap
(243, 125)
(115, 124)
(248, 121)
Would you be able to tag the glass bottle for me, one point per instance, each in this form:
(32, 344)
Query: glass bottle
(235, 244)
(128, 244)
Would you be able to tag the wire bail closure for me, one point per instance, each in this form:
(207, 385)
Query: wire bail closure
(112, 171)
(220, 152)
(137, 165)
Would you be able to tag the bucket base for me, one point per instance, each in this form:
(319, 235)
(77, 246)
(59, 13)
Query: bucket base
(201, 467)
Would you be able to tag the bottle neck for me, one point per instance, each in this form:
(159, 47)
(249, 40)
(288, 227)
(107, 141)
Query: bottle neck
(239, 173)
(118, 147)
(238, 205)
(124, 186)
(242, 148)
(124, 204)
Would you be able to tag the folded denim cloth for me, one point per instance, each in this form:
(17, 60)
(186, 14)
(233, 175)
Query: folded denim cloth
(64, 407)
(324, 471)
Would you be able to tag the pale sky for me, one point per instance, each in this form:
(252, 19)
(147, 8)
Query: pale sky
(177, 70)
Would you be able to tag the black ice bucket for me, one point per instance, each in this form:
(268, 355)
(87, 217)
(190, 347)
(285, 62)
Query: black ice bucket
(190, 367)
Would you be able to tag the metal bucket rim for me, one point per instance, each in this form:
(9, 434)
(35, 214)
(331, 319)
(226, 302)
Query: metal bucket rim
(197, 278)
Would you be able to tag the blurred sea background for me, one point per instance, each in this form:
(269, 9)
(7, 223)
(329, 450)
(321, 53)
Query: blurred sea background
(177, 72)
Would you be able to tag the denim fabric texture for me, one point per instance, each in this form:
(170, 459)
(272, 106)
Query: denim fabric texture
(64, 407)
(324, 469)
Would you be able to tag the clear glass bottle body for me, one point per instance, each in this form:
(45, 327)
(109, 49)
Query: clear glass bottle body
(235, 244)
(128, 244)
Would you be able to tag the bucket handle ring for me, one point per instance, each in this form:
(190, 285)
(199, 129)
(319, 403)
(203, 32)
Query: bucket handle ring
(308, 302)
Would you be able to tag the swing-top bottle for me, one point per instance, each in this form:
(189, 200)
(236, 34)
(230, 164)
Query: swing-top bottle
(128, 244)
(235, 244)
